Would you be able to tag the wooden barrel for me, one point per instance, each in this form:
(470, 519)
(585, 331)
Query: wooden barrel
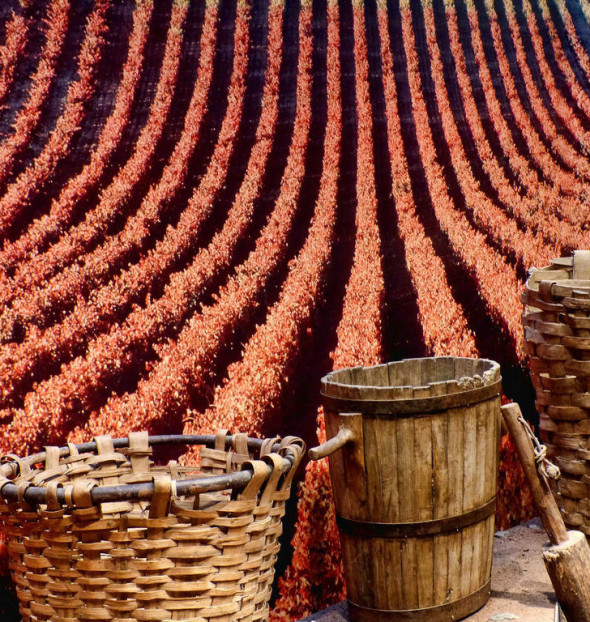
(415, 490)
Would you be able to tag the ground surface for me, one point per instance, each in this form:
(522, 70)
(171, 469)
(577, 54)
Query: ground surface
(206, 206)
(520, 584)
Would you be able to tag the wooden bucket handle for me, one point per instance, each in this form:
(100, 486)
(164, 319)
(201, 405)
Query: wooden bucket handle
(343, 437)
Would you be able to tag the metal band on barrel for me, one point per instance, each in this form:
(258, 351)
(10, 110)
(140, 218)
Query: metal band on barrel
(367, 529)
(454, 610)
(401, 408)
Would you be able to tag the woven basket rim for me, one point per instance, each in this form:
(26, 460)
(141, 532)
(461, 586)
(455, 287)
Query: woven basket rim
(10, 467)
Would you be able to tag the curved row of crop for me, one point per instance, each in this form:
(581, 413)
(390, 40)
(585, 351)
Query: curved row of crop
(24, 362)
(557, 99)
(560, 183)
(314, 577)
(446, 330)
(15, 39)
(20, 192)
(362, 306)
(582, 55)
(523, 214)
(56, 21)
(50, 226)
(61, 401)
(185, 366)
(41, 298)
(489, 216)
(560, 144)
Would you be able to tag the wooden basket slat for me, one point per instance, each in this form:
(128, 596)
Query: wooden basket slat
(556, 322)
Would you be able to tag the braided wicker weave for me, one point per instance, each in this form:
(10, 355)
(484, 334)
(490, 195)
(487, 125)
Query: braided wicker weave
(98, 533)
(556, 321)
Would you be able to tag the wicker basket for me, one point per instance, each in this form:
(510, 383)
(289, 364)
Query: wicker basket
(98, 533)
(556, 321)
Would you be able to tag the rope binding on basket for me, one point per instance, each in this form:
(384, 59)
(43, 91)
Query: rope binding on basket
(545, 466)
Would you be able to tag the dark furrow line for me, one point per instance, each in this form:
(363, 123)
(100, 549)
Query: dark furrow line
(557, 18)
(580, 22)
(533, 65)
(482, 107)
(403, 336)
(347, 182)
(119, 19)
(304, 394)
(25, 69)
(490, 335)
(65, 74)
(501, 94)
(557, 72)
(442, 148)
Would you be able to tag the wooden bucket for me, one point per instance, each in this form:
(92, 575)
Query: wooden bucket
(415, 484)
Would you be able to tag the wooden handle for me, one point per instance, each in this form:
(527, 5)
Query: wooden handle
(542, 495)
(334, 444)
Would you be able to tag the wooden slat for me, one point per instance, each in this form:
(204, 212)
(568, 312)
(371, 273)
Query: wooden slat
(445, 368)
(422, 465)
(455, 566)
(476, 533)
(482, 415)
(426, 570)
(405, 454)
(373, 433)
(409, 574)
(441, 493)
(392, 569)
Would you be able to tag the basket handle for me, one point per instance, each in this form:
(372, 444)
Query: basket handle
(161, 496)
(343, 437)
(259, 474)
(277, 465)
(139, 452)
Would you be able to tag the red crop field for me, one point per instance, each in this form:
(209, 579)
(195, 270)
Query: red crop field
(207, 205)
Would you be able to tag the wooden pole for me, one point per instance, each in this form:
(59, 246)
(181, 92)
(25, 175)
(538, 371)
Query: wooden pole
(542, 495)
(568, 559)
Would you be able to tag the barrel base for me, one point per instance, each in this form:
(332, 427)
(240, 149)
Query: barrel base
(449, 612)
